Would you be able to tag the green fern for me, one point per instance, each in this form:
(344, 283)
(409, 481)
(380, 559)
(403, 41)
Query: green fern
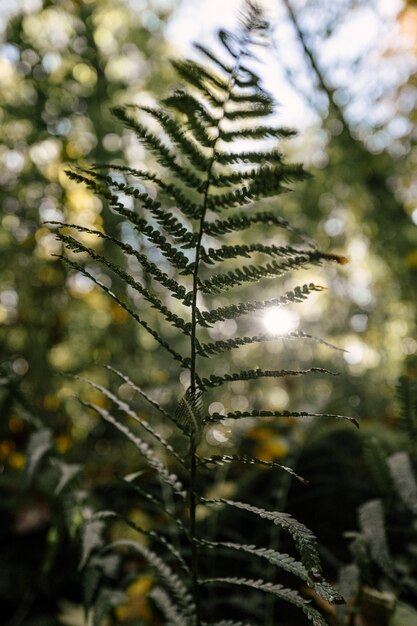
(207, 183)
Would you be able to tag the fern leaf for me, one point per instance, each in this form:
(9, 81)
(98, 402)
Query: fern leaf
(123, 406)
(232, 311)
(372, 524)
(236, 458)
(91, 582)
(241, 221)
(40, 442)
(234, 252)
(67, 472)
(285, 562)
(178, 137)
(281, 560)
(236, 415)
(171, 612)
(141, 225)
(232, 158)
(256, 133)
(92, 539)
(128, 482)
(188, 415)
(185, 205)
(281, 592)
(253, 273)
(348, 582)
(141, 392)
(167, 577)
(264, 186)
(107, 599)
(151, 331)
(404, 479)
(102, 515)
(216, 381)
(199, 117)
(248, 111)
(177, 291)
(144, 448)
(303, 537)
(227, 69)
(75, 246)
(220, 346)
(189, 72)
(163, 154)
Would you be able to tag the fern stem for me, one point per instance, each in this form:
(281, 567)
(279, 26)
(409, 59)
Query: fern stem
(193, 337)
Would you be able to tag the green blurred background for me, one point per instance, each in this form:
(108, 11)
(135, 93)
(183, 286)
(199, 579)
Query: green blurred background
(344, 73)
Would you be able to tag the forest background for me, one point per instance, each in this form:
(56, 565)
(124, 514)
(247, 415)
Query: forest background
(344, 74)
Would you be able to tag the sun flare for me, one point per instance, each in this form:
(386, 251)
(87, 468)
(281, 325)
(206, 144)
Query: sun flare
(280, 321)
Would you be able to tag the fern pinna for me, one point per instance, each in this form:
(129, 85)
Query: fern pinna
(215, 192)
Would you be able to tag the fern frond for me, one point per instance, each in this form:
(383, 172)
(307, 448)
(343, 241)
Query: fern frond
(281, 592)
(103, 515)
(76, 246)
(220, 346)
(107, 599)
(236, 458)
(253, 273)
(198, 173)
(303, 537)
(247, 112)
(171, 581)
(142, 393)
(151, 331)
(215, 381)
(40, 443)
(170, 224)
(227, 69)
(123, 406)
(177, 291)
(233, 311)
(372, 523)
(284, 562)
(404, 479)
(256, 133)
(91, 540)
(233, 158)
(155, 503)
(241, 221)
(249, 176)
(188, 415)
(171, 612)
(176, 257)
(199, 117)
(67, 472)
(223, 253)
(189, 72)
(163, 154)
(144, 448)
(264, 186)
(236, 415)
(174, 131)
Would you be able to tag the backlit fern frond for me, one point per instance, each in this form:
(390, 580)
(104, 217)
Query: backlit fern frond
(216, 190)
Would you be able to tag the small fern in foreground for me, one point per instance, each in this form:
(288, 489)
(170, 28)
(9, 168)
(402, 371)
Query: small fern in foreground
(384, 549)
(215, 193)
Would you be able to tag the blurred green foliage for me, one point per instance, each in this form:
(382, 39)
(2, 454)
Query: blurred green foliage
(63, 64)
